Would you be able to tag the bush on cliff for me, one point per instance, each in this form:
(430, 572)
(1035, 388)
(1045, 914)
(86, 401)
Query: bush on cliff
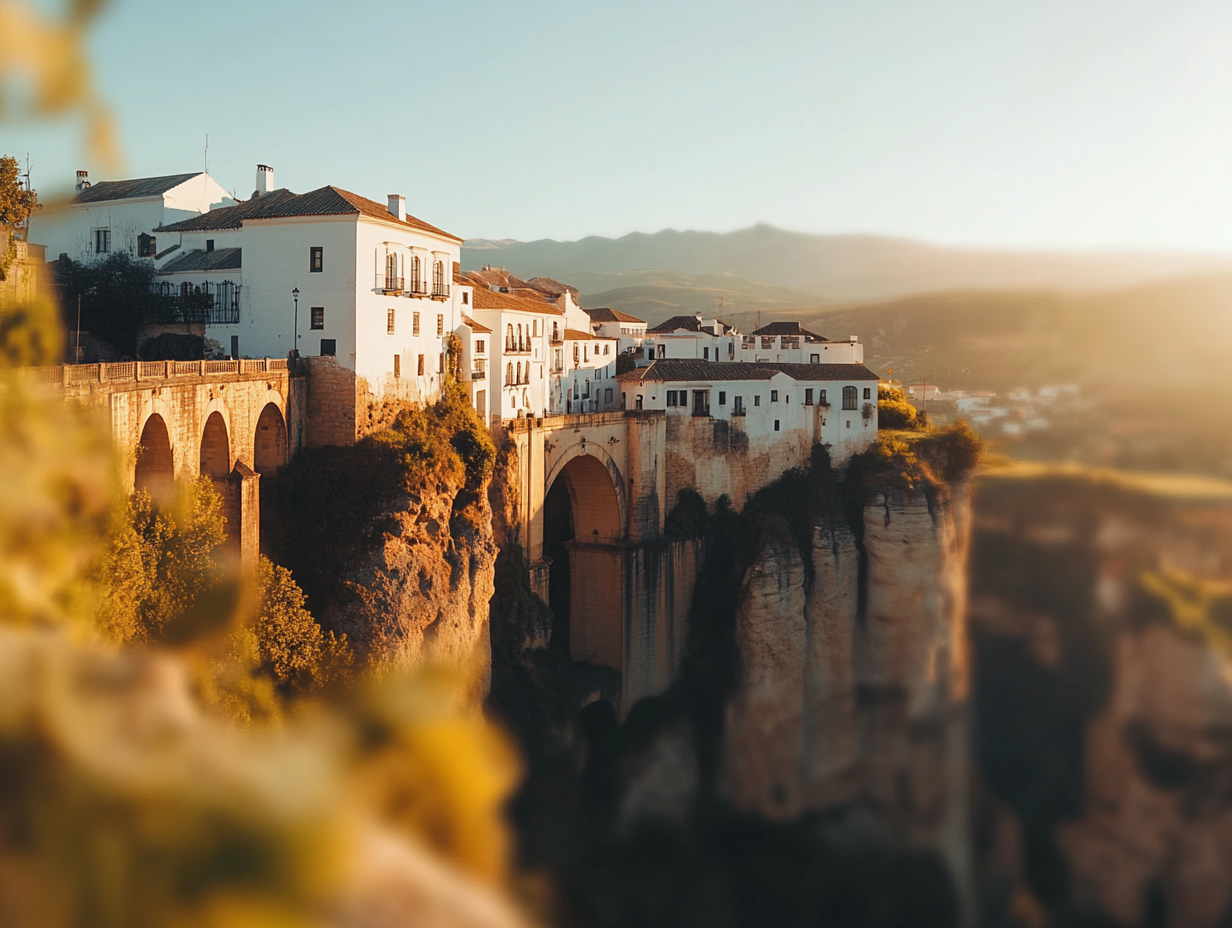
(894, 411)
(329, 498)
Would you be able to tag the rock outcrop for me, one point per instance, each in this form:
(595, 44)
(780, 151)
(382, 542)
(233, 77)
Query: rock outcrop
(853, 676)
(421, 591)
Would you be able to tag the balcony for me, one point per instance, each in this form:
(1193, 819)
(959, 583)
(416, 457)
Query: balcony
(556, 338)
(440, 291)
(478, 375)
(417, 288)
(513, 346)
(387, 284)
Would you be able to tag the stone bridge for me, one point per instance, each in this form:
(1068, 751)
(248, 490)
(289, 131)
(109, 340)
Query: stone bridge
(229, 420)
(595, 500)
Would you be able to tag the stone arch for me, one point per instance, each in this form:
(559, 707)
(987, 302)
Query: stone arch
(270, 442)
(583, 523)
(586, 479)
(215, 446)
(155, 471)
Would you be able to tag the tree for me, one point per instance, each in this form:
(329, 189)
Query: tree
(17, 204)
(894, 411)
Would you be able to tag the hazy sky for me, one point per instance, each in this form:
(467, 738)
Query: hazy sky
(1083, 123)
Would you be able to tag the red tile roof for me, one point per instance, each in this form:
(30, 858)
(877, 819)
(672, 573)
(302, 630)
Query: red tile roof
(607, 314)
(493, 299)
(689, 324)
(788, 328)
(281, 204)
(577, 335)
(476, 326)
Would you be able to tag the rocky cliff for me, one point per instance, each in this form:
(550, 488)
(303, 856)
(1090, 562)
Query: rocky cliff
(1101, 611)
(853, 673)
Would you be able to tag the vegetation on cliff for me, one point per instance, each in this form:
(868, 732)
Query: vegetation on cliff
(329, 498)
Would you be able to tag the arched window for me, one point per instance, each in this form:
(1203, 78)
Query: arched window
(509, 373)
(415, 275)
(520, 342)
(509, 337)
(438, 277)
(849, 397)
(519, 373)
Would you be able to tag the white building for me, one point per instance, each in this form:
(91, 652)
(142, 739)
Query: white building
(123, 215)
(835, 404)
(690, 338)
(630, 331)
(791, 343)
(518, 354)
(327, 272)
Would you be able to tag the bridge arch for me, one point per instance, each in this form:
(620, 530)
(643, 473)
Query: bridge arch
(270, 441)
(215, 446)
(155, 470)
(584, 523)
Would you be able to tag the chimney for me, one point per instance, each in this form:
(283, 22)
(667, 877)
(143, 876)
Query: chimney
(82, 180)
(265, 180)
(397, 206)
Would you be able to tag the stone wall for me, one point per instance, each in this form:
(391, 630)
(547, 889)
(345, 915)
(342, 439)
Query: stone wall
(332, 403)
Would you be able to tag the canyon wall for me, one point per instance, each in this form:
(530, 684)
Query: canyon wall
(853, 674)
(1100, 612)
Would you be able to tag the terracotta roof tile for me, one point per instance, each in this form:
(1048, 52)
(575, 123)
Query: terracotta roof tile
(689, 324)
(494, 299)
(476, 326)
(607, 314)
(577, 335)
(221, 259)
(281, 204)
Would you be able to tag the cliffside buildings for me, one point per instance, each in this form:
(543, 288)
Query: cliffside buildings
(767, 403)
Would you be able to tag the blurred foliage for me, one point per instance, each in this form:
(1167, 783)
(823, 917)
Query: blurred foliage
(44, 65)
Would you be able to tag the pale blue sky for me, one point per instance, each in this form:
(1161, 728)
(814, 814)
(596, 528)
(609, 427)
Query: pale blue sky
(1073, 123)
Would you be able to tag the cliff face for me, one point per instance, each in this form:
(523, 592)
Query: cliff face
(1104, 711)
(853, 682)
(421, 591)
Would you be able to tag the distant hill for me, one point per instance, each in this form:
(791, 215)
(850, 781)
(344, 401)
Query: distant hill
(824, 267)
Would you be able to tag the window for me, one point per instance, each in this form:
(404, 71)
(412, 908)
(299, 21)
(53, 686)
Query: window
(848, 423)
(868, 393)
(316, 259)
(808, 396)
(397, 365)
(509, 373)
(637, 401)
(822, 401)
(607, 349)
(414, 323)
(738, 406)
(102, 241)
(466, 298)
(440, 363)
(391, 272)
(607, 395)
(147, 246)
(440, 324)
(209, 244)
(479, 346)
(776, 425)
(757, 401)
(535, 330)
(317, 317)
(415, 287)
(420, 369)
(517, 373)
(774, 396)
(849, 397)
(389, 322)
(814, 359)
(671, 397)
(663, 351)
(722, 398)
(329, 347)
(438, 279)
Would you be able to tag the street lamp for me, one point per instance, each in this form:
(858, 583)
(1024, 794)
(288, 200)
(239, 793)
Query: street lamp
(295, 339)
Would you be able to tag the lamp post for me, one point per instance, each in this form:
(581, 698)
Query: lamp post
(295, 338)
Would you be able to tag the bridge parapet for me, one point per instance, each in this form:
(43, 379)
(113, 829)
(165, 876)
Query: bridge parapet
(129, 372)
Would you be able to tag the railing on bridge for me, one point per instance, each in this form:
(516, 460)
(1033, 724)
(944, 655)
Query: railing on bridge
(209, 302)
(136, 371)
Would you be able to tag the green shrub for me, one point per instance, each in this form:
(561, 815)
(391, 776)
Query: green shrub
(894, 411)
